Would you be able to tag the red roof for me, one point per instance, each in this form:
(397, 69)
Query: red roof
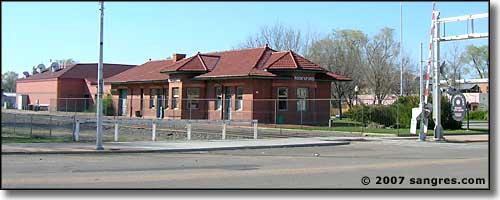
(81, 70)
(261, 62)
(149, 71)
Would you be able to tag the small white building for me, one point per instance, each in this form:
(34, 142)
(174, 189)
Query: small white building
(8, 100)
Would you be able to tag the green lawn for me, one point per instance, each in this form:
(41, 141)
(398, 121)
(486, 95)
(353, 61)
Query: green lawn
(400, 132)
(23, 136)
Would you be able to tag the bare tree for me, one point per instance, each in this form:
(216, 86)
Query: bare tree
(454, 64)
(342, 52)
(65, 62)
(280, 37)
(382, 52)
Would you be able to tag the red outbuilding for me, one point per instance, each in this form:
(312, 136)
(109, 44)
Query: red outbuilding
(71, 88)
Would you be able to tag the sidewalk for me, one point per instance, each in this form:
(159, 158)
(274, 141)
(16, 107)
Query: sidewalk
(467, 138)
(182, 146)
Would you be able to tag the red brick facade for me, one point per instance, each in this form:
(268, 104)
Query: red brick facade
(255, 73)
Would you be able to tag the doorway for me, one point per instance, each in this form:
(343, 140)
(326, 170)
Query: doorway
(228, 93)
(159, 103)
(122, 102)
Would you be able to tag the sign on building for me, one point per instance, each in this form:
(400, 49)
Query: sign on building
(458, 106)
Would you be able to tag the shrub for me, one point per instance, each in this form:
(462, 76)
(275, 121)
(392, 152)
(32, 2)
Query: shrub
(107, 106)
(387, 115)
(478, 115)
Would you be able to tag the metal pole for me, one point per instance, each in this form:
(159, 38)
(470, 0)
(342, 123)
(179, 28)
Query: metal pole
(422, 134)
(467, 107)
(438, 129)
(31, 126)
(401, 48)
(100, 84)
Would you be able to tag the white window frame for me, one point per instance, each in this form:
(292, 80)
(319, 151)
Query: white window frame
(175, 98)
(239, 99)
(281, 97)
(218, 98)
(193, 98)
(302, 104)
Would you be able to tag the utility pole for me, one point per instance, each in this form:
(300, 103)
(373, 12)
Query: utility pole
(436, 91)
(100, 85)
(401, 47)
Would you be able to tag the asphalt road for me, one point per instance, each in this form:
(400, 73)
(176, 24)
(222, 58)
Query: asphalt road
(305, 167)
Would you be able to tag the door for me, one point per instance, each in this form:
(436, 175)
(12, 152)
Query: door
(159, 103)
(228, 93)
(122, 101)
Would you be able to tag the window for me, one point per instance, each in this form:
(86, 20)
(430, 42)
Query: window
(165, 91)
(218, 96)
(193, 94)
(142, 100)
(175, 98)
(151, 98)
(282, 98)
(239, 98)
(302, 95)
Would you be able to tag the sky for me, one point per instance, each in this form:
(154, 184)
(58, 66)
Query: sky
(134, 32)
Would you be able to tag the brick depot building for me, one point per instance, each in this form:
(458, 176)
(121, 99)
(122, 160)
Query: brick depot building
(237, 84)
(69, 85)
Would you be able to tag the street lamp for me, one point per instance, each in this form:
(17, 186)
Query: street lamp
(356, 89)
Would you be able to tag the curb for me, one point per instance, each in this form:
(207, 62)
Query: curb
(465, 141)
(177, 150)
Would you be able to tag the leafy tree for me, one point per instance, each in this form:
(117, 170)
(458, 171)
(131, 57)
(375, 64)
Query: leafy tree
(342, 52)
(9, 81)
(477, 58)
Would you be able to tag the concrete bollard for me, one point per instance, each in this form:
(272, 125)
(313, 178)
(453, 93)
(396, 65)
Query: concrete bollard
(153, 132)
(224, 130)
(76, 134)
(255, 130)
(188, 131)
(116, 131)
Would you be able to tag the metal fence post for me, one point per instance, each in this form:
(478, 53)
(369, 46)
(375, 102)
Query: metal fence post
(223, 129)
(190, 108)
(66, 105)
(255, 130)
(153, 132)
(31, 126)
(116, 131)
(15, 123)
(50, 125)
(275, 112)
(188, 130)
(76, 134)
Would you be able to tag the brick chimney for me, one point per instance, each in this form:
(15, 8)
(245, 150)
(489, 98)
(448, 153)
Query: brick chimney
(177, 56)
